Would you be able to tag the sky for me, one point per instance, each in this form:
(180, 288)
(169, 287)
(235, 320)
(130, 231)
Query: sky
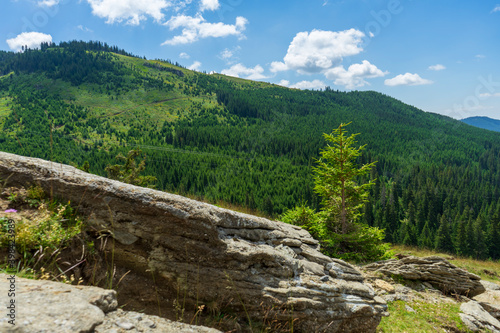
(441, 56)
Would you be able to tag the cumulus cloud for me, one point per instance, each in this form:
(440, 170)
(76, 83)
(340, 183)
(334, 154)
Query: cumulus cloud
(319, 50)
(209, 5)
(30, 39)
(130, 11)
(284, 83)
(239, 70)
(407, 79)
(195, 28)
(355, 75)
(437, 67)
(184, 55)
(195, 66)
(277, 66)
(47, 3)
(309, 85)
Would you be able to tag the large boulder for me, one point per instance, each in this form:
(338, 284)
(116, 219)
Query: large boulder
(478, 319)
(187, 253)
(437, 271)
(490, 301)
(46, 306)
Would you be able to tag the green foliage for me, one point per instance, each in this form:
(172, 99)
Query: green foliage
(50, 229)
(335, 180)
(248, 143)
(129, 171)
(337, 226)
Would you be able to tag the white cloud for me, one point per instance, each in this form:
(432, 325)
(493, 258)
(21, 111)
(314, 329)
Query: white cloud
(239, 70)
(437, 67)
(209, 5)
(486, 95)
(85, 29)
(355, 75)
(226, 54)
(496, 9)
(407, 79)
(195, 28)
(30, 39)
(48, 3)
(184, 55)
(314, 85)
(480, 56)
(277, 66)
(319, 50)
(195, 66)
(284, 83)
(131, 11)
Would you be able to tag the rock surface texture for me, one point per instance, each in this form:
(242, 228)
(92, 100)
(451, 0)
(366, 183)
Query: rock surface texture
(437, 271)
(490, 301)
(211, 256)
(45, 306)
(477, 319)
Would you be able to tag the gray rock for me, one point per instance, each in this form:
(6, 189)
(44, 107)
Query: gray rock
(490, 301)
(53, 307)
(490, 285)
(476, 318)
(213, 253)
(436, 271)
(409, 308)
(44, 306)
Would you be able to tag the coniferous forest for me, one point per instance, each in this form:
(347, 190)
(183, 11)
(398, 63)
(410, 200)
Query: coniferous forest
(253, 144)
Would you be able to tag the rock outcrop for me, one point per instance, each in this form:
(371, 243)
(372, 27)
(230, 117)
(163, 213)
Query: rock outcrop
(209, 256)
(437, 271)
(45, 306)
(490, 301)
(478, 319)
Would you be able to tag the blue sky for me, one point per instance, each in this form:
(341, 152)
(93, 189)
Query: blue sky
(439, 55)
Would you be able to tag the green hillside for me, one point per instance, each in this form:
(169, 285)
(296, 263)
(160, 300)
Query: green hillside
(251, 143)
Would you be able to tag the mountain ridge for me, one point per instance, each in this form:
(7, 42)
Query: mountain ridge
(249, 143)
(483, 122)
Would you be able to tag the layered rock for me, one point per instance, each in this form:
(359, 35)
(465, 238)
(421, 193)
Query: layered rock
(437, 271)
(45, 306)
(209, 255)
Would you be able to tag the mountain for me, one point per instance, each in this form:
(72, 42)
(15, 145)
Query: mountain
(239, 142)
(483, 122)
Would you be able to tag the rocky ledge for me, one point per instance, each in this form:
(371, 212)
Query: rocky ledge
(45, 306)
(437, 271)
(169, 245)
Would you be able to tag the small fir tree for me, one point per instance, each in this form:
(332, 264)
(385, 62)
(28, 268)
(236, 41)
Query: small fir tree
(335, 180)
(129, 171)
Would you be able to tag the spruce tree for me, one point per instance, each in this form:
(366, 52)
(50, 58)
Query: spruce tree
(443, 240)
(461, 239)
(493, 237)
(335, 180)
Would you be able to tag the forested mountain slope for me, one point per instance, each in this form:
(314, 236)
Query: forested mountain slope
(252, 143)
(483, 122)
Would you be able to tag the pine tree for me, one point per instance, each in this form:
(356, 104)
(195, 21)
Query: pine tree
(335, 180)
(426, 239)
(493, 237)
(480, 250)
(461, 239)
(443, 240)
